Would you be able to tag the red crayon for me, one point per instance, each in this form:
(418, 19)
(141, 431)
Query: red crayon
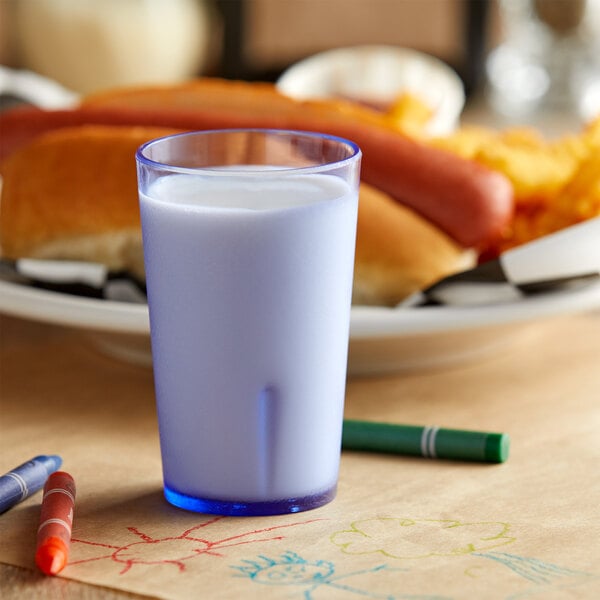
(56, 520)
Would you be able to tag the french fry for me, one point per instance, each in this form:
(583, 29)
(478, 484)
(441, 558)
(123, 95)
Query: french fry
(409, 114)
(556, 183)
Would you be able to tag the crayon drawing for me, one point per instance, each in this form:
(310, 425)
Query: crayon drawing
(309, 577)
(414, 540)
(290, 569)
(176, 550)
(404, 538)
(544, 576)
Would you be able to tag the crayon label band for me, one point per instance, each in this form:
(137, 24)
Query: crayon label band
(66, 525)
(428, 441)
(21, 482)
(60, 491)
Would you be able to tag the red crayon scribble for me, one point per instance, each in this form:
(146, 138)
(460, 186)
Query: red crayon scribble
(175, 550)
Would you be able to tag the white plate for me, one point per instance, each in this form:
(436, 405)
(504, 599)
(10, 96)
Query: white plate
(382, 340)
(379, 74)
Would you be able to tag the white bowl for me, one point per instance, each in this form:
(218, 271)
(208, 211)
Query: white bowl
(378, 75)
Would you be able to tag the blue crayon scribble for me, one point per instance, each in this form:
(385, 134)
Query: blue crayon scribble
(534, 569)
(293, 570)
(542, 575)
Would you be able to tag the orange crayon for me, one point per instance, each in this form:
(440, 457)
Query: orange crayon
(56, 520)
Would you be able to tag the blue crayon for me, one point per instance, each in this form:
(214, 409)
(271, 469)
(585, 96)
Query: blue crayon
(26, 479)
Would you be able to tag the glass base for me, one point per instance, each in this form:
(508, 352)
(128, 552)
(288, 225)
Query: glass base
(248, 509)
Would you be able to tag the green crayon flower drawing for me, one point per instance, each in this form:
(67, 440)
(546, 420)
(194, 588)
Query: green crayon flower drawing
(405, 538)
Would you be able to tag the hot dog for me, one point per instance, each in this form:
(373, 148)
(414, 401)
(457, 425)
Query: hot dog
(472, 204)
(82, 204)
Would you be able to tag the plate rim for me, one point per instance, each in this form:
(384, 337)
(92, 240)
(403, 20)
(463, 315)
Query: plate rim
(366, 322)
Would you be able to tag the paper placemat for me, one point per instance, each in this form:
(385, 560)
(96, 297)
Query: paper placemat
(399, 528)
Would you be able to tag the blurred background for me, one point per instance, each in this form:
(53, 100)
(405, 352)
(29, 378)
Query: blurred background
(516, 58)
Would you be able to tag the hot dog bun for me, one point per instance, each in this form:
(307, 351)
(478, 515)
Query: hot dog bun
(82, 204)
(398, 252)
(471, 203)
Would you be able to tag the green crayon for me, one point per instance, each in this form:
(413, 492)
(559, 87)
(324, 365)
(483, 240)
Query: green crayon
(430, 442)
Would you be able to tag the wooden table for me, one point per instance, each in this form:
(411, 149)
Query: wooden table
(532, 522)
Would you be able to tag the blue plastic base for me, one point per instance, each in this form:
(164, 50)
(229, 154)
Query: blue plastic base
(248, 509)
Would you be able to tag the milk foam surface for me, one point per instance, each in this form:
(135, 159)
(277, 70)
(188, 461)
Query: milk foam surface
(250, 193)
(250, 353)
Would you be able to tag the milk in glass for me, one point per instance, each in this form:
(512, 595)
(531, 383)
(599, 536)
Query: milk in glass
(250, 348)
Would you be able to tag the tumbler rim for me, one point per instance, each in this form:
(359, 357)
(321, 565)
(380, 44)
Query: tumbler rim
(354, 153)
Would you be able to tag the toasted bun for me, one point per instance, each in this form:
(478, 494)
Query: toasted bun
(72, 194)
(82, 204)
(398, 252)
